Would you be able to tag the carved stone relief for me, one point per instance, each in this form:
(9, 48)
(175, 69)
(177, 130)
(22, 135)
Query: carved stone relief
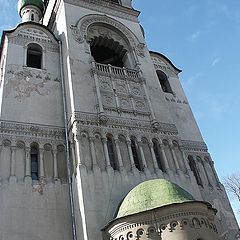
(22, 82)
(29, 35)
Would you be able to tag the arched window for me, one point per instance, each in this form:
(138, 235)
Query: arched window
(34, 56)
(157, 155)
(136, 158)
(34, 162)
(108, 51)
(109, 45)
(111, 153)
(163, 79)
(195, 171)
(32, 17)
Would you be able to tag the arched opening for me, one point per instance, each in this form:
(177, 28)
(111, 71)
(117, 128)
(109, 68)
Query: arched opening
(107, 51)
(136, 158)
(34, 56)
(163, 79)
(34, 155)
(32, 17)
(195, 171)
(111, 153)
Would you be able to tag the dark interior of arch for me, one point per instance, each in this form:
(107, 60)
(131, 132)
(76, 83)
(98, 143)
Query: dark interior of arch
(164, 82)
(107, 51)
(34, 56)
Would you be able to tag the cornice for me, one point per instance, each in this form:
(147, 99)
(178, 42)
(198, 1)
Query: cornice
(92, 120)
(107, 7)
(25, 130)
(194, 146)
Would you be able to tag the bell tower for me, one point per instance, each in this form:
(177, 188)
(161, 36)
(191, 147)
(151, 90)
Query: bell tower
(96, 131)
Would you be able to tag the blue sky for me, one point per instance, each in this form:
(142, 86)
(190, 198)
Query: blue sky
(203, 39)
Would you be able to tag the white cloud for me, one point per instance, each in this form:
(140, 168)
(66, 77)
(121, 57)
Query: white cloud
(194, 36)
(215, 62)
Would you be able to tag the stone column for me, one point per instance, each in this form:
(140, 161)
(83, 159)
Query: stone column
(55, 164)
(77, 139)
(140, 145)
(164, 157)
(41, 163)
(100, 103)
(105, 148)
(156, 166)
(93, 151)
(130, 153)
(73, 156)
(119, 156)
(174, 157)
(206, 172)
(211, 163)
(187, 167)
(13, 161)
(0, 162)
(28, 162)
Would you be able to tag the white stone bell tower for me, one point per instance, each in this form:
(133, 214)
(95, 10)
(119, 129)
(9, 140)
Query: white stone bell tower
(87, 114)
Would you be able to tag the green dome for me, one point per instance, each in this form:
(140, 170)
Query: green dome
(152, 194)
(36, 3)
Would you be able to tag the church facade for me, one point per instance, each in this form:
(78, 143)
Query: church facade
(97, 138)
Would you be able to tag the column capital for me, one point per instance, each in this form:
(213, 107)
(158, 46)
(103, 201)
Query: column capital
(150, 144)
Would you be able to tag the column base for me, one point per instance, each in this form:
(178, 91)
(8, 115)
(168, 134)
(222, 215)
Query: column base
(13, 180)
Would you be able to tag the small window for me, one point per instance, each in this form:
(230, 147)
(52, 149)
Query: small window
(137, 162)
(195, 171)
(34, 163)
(111, 153)
(32, 17)
(163, 79)
(34, 56)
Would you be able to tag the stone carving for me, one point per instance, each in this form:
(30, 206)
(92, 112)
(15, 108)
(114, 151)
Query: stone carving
(125, 103)
(107, 8)
(22, 82)
(76, 34)
(123, 124)
(9, 129)
(104, 32)
(108, 101)
(194, 146)
(140, 105)
(105, 83)
(121, 86)
(28, 35)
(140, 50)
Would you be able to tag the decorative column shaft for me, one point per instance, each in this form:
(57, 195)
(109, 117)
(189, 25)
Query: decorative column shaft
(13, 160)
(164, 157)
(206, 173)
(105, 148)
(28, 162)
(100, 104)
(119, 156)
(142, 154)
(55, 164)
(41, 162)
(185, 160)
(93, 151)
(156, 166)
(130, 153)
(78, 147)
(174, 157)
